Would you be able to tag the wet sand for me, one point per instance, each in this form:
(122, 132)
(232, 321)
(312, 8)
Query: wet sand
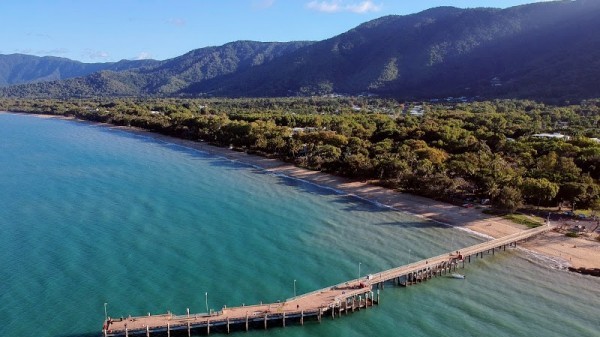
(575, 252)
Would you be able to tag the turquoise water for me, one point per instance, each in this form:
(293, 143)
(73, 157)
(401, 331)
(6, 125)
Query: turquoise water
(91, 216)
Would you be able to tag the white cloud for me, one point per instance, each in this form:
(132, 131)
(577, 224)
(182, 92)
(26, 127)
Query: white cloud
(177, 22)
(57, 51)
(336, 6)
(39, 35)
(24, 51)
(43, 52)
(324, 6)
(262, 4)
(95, 54)
(364, 7)
(143, 56)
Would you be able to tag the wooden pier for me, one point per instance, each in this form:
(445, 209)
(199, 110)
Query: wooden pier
(329, 302)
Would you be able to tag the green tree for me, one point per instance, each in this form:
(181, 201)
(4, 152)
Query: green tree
(390, 166)
(324, 157)
(581, 193)
(509, 199)
(357, 165)
(537, 190)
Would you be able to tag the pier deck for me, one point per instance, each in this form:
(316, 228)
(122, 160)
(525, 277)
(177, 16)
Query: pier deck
(342, 298)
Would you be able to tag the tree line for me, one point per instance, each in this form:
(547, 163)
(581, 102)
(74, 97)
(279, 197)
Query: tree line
(447, 151)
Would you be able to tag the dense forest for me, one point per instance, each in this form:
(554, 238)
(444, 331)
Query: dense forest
(450, 151)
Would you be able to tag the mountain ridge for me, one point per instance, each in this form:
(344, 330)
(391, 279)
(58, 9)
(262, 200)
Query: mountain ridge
(544, 50)
(21, 68)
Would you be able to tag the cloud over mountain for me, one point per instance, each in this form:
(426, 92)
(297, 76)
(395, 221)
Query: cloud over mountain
(335, 6)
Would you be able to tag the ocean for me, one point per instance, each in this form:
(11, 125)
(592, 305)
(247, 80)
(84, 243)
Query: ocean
(93, 215)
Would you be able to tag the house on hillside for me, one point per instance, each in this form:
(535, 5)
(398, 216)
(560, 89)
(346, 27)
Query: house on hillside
(417, 110)
(304, 130)
(496, 82)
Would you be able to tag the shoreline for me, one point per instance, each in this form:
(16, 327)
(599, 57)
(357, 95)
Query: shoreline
(562, 251)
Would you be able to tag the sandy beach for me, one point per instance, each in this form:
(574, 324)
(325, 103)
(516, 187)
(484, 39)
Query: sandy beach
(573, 252)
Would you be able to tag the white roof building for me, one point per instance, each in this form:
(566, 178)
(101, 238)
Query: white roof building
(551, 136)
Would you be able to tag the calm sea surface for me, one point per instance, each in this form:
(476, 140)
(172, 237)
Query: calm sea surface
(91, 215)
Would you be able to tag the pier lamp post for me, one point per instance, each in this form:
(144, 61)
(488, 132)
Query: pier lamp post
(206, 301)
(294, 288)
(105, 313)
(359, 270)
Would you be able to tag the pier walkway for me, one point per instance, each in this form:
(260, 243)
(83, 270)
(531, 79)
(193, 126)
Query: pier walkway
(332, 301)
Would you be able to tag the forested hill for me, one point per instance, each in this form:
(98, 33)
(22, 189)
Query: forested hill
(546, 50)
(20, 68)
(549, 49)
(165, 77)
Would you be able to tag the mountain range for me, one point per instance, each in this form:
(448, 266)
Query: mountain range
(21, 68)
(545, 50)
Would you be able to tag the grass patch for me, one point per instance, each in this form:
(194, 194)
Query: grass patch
(572, 235)
(522, 219)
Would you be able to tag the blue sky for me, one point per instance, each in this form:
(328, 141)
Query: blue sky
(111, 30)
